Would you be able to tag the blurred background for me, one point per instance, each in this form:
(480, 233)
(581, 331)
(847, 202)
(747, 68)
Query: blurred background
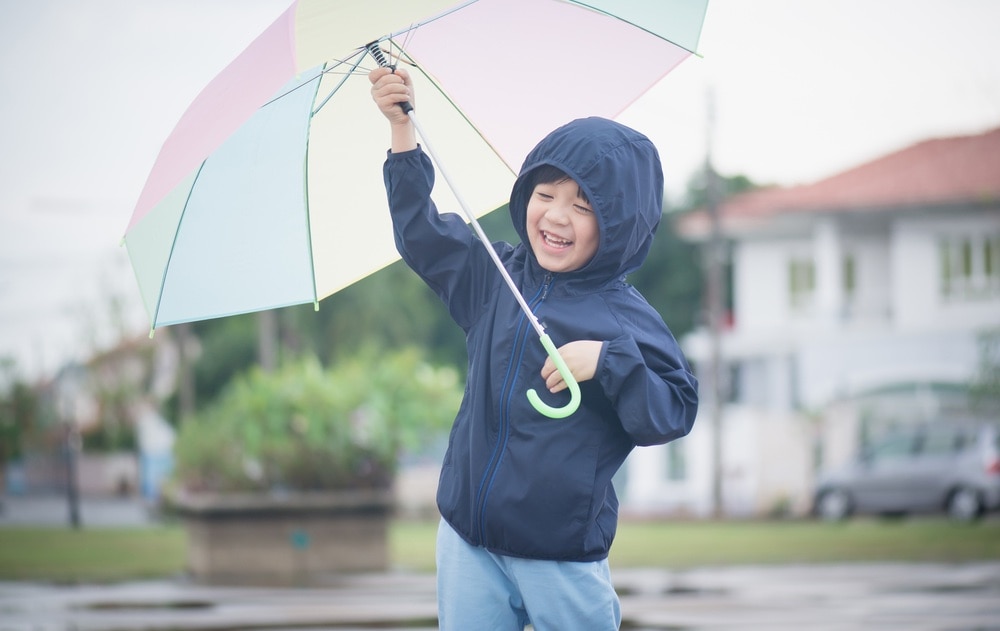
(830, 259)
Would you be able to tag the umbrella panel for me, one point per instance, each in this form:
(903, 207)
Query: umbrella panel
(351, 227)
(239, 224)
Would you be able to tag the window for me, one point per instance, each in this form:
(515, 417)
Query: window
(970, 267)
(893, 448)
(849, 277)
(732, 386)
(941, 442)
(801, 283)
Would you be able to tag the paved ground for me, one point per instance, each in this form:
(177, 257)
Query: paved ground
(53, 510)
(817, 598)
(814, 598)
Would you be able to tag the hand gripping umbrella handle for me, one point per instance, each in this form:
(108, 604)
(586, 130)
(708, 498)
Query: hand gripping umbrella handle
(376, 52)
(574, 387)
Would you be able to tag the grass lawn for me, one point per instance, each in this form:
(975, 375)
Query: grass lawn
(685, 544)
(690, 544)
(111, 554)
(104, 554)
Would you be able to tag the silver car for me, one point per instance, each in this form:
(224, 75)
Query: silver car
(935, 469)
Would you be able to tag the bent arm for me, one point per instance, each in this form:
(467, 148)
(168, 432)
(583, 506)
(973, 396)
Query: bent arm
(440, 248)
(648, 380)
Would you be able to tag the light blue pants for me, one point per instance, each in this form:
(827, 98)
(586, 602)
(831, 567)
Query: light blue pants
(482, 591)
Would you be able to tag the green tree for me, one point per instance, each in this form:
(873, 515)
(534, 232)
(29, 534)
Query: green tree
(672, 278)
(696, 194)
(22, 413)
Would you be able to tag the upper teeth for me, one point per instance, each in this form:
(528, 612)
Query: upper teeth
(554, 240)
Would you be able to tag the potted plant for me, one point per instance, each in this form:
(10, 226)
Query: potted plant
(288, 475)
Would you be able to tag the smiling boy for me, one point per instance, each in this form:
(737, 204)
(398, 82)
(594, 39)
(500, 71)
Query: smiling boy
(527, 504)
(562, 228)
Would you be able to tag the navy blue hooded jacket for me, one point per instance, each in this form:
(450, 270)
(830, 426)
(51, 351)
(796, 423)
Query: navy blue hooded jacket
(514, 481)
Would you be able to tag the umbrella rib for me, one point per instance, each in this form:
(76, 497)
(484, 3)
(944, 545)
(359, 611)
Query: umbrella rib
(361, 54)
(305, 184)
(173, 244)
(640, 27)
(415, 25)
(405, 58)
(337, 87)
(339, 62)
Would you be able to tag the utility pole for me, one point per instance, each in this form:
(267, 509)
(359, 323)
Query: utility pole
(72, 445)
(66, 399)
(185, 369)
(267, 340)
(715, 307)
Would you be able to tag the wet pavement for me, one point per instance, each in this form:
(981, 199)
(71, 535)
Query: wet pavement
(820, 598)
(877, 596)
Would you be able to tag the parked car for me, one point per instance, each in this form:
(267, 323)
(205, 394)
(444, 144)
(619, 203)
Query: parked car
(934, 469)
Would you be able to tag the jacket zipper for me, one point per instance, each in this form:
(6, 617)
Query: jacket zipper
(506, 392)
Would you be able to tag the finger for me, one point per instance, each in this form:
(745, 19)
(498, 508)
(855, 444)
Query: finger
(378, 73)
(555, 382)
(387, 86)
(390, 94)
(548, 367)
(393, 89)
(402, 73)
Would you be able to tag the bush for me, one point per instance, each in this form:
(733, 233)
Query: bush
(305, 428)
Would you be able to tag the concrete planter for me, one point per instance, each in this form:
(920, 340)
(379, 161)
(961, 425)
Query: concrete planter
(287, 538)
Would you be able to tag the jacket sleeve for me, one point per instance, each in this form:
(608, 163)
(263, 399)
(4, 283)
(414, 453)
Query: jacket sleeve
(649, 382)
(439, 247)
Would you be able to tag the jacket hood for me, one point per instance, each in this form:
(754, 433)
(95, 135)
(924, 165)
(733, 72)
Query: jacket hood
(619, 170)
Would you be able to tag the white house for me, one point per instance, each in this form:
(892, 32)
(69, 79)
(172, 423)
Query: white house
(857, 302)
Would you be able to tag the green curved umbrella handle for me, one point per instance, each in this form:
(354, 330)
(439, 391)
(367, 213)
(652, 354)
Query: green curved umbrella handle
(574, 387)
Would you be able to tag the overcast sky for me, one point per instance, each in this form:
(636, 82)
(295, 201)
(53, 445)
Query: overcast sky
(89, 90)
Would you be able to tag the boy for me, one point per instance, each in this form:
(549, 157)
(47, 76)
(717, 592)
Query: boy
(528, 508)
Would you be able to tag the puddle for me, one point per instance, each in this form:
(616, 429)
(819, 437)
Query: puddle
(140, 605)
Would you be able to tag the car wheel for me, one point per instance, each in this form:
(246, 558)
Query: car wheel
(834, 505)
(964, 504)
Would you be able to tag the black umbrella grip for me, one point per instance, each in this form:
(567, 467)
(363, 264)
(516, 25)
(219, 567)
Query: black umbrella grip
(376, 52)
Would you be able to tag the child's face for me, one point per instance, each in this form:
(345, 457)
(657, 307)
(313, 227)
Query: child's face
(562, 228)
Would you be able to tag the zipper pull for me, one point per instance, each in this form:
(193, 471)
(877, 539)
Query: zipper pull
(546, 285)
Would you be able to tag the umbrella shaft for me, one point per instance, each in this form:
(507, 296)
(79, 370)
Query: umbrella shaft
(479, 231)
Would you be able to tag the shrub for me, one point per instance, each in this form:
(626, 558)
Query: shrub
(303, 427)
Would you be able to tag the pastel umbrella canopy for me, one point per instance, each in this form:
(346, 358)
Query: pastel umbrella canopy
(269, 191)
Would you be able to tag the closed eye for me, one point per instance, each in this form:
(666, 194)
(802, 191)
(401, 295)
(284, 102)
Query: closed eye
(583, 209)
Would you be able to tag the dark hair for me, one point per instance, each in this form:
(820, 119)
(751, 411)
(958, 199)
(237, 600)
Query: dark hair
(548, 174)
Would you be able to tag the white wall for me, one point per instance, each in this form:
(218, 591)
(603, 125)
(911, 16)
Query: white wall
(871, 303)
(760, 283)
(800, 369)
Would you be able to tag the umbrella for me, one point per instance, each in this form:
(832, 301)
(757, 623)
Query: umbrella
(267, 192)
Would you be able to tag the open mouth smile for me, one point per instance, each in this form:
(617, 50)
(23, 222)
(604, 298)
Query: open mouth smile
(554, 241)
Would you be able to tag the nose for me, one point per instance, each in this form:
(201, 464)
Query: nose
(558, 213)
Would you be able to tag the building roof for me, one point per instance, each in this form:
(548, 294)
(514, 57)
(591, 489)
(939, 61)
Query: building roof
(940, 172)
